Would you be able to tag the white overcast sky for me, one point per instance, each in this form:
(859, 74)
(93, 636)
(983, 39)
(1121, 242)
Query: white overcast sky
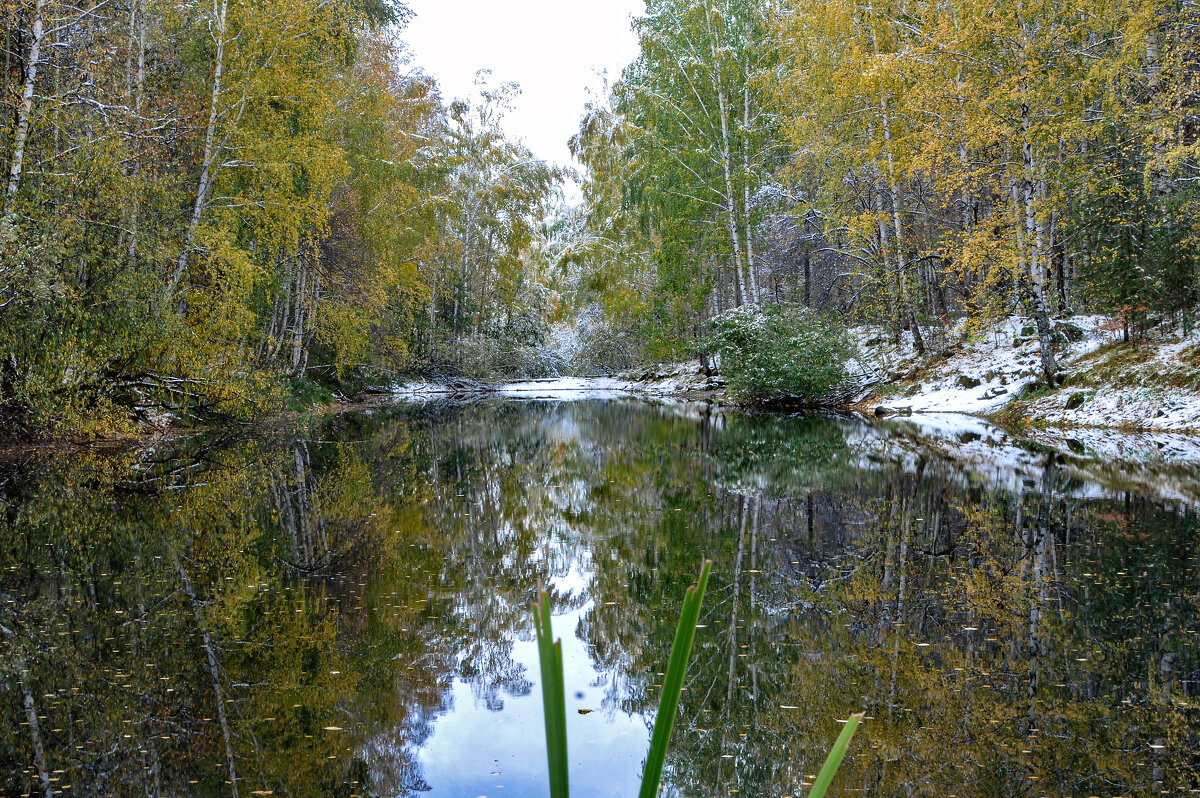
(552, 48)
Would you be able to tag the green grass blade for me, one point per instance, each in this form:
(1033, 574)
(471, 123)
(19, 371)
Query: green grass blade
(668, 705)
(834, 760)
(554, 701)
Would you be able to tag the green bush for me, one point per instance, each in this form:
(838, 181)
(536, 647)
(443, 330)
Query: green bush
(783, 354)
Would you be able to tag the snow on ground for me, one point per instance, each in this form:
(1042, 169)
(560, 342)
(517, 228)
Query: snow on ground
(421, 390)
(567, 389)
(983, 373)
(1144, 387)
(556, 389)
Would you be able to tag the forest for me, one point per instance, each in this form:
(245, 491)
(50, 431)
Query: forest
(223, 210)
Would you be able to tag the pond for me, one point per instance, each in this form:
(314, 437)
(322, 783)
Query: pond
(344, 610)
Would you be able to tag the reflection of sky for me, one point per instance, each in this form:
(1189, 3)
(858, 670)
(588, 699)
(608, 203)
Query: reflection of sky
(474, 752)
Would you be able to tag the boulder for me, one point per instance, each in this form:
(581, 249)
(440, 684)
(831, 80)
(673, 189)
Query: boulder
(1072, 332)
(1076, 401)
(966, 382)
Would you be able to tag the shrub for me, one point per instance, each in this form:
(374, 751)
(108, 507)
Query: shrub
(783, 354)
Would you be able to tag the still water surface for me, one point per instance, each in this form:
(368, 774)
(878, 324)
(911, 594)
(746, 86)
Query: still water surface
(344, 611)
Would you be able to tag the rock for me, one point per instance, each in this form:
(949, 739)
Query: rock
(966, 382)
(1076, 446)
(1028, 331)
(1076, 401)
(883, 412)
(873, 342)
(914, 390)
(1072, 332)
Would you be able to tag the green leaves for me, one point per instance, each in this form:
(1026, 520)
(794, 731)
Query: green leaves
(784, 353)
(834, 760)
(554, 701)
(668, 705)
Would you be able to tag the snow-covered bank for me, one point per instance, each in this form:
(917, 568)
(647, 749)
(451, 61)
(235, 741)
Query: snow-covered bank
(1148, 386)
(1128, 402)
(685, 381)
(557, 389)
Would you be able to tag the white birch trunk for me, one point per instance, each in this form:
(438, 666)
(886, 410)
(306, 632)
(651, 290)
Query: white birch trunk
(25, 109)
(1034, 235)
(210, 154)
(751, 266)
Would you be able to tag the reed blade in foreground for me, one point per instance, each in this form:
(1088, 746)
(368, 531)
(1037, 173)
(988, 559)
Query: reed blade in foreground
(554, 697)
(668, 705)
(834, 760)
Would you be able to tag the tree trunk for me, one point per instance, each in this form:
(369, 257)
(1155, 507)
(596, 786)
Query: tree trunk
(807, 277)
(139, 83)
(743, 291)
(897, 211)
(25, 109)
(207, 172)
(751, 266)
(4, 80)
(300, 315)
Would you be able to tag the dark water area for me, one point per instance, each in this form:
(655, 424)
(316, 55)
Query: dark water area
(345, 611)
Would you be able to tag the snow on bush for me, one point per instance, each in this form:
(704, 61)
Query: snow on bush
(783, 353)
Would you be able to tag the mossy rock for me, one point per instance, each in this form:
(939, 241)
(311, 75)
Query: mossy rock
(1076, 401)
(1072, 332)
(967, 382)
(1028, 331)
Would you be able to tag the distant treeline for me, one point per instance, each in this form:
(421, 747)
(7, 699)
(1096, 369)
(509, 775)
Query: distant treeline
(203, 201)
(905, 162)
(209, 207)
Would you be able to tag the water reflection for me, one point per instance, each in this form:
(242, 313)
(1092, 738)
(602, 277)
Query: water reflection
(344, 612)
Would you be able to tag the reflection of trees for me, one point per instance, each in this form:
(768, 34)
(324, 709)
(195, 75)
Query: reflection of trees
(1001, 643)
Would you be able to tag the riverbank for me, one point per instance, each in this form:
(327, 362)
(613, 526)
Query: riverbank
(1149, 385)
